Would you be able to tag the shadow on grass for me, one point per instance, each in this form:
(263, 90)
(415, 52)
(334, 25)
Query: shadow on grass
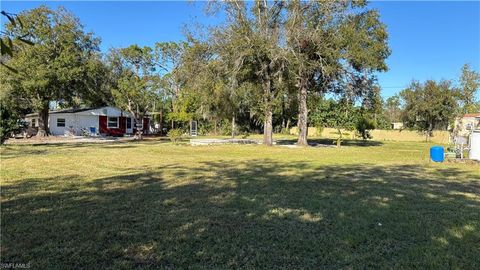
(327, 141)
(255, 214)
(47, 148)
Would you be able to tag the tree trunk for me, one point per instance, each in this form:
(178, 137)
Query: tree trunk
(138, 126)
(339, 140)
(215, 127)
(267, 124)
(233, 126)
(302, 114)
(283, 115)
(160, 122)
(173, 110)
(43, 129)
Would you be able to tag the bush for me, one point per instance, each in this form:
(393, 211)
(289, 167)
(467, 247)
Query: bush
(175, 135)
(225, 128)
(10, 123)
(205, 128)
(364, 126)
(319, 130)
(285, 131)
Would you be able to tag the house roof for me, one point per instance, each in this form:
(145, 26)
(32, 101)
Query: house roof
(71, 110)
(74, 110)
(471, 115)
(106, 110)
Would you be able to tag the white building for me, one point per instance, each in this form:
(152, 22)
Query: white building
(397, 125)
(108, 121)
(467, 123)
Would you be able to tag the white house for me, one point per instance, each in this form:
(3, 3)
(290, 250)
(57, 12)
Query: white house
(108, 121)
(467, 123)
(397, 125)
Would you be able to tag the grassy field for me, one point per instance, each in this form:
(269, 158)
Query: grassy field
(151, 205)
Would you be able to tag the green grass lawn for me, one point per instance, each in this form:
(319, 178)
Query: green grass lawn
(151, 205)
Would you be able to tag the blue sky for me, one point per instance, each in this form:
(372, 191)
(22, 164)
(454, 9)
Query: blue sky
(429, 40)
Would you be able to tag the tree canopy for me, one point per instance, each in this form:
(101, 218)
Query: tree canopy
(136, 83)
(62, 63)
(429, 106)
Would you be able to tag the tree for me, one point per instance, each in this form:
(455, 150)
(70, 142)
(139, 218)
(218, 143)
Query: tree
(341, 115)
(331, 41)
(168, 58)
(469, 85)
(251, 51)
(9, 122)
(6, 38)
(136, 84)
(392, 108)
(10, 114)
(429, 106)
(364, 125)
(194, 80)
(99, 81)
(54, 67)
(222, 97)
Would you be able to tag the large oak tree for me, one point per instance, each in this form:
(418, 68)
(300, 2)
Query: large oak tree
(57, 63)
(334, 46)
(250, 44)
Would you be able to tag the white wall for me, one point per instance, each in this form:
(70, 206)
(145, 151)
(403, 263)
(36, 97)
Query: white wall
(77, 122)
(87, 121)
(29, 120)
(475, 145)
(69, 122)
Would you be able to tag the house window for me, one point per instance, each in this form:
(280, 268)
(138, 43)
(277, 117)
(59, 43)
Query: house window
(129, 123)
(60, 122)
(33, 122)
(112, 122)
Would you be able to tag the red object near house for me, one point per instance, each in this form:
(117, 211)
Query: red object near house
(121, 129)
(118, 131)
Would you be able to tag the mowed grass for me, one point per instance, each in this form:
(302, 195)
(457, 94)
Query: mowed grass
(151, 205)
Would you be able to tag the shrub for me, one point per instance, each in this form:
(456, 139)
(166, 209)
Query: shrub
(226, 127)
(205, 128)
(319, 130)
(364, 126)
(10, 123)
(285, 131)
(245, 135)
(175, 135)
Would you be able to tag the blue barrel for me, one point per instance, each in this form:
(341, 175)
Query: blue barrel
(437, 153)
